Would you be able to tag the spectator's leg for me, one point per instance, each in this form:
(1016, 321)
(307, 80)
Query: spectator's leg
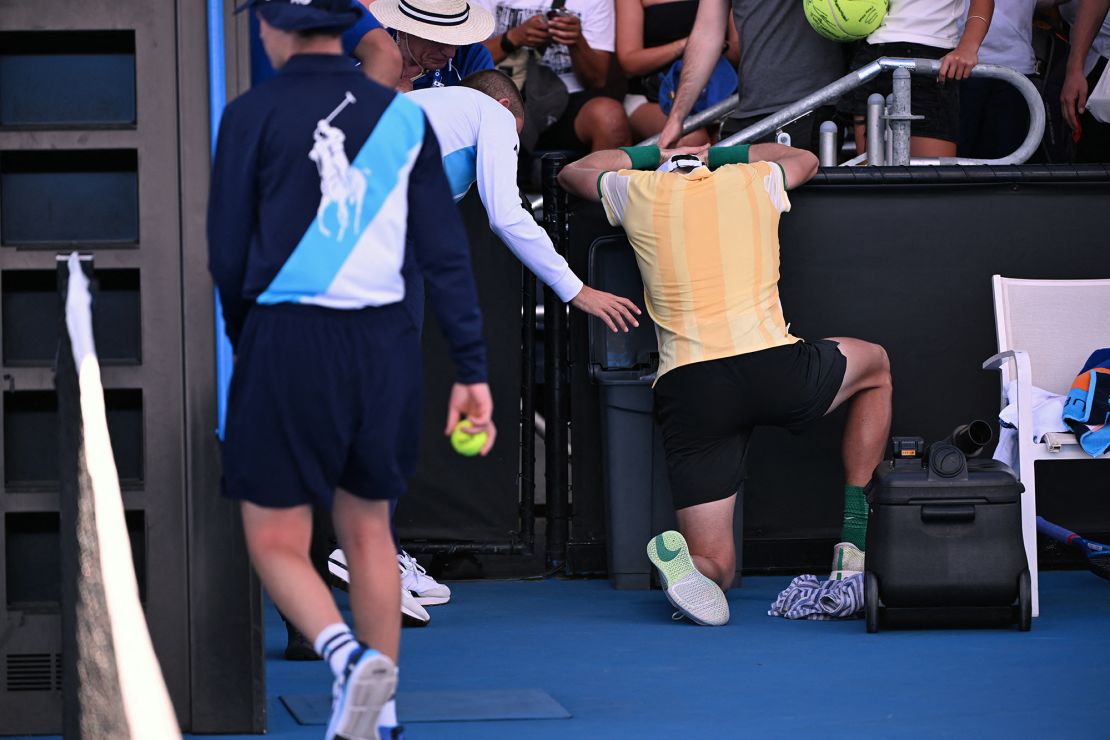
(920, 146)
(363, 529)
(867, 389)
(708, 532)
(278, 543)
(602, 124)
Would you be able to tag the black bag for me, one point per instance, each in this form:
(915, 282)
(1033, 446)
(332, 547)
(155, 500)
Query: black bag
(545, 95)
(944, 539)
(545, 101)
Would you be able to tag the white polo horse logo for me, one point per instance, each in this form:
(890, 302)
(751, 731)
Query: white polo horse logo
(340, 183)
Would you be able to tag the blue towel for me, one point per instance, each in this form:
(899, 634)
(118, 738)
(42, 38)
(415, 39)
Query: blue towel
(808, 598)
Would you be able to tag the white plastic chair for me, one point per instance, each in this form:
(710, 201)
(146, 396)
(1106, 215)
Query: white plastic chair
(1046, 331)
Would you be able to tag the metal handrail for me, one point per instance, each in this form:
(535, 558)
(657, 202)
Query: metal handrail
(835, 90)
(713, 113)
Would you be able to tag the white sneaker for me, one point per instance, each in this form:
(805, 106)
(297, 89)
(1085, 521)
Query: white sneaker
(367, 683)
(695, 596)
(428, 591)
(412, 613)
(847, 561)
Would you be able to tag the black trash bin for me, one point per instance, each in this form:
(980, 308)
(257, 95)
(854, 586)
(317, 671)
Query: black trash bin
(637, 494)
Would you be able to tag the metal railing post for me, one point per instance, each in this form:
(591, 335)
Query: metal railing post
(555, 397)
(876, 144)
(888, 133)
(828, 144)
(900, 118)
(528, 410)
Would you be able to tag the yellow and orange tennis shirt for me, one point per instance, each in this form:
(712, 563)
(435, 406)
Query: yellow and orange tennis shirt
(707, 246)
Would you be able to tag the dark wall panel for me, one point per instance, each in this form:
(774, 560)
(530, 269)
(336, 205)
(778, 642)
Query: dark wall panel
(453, 497)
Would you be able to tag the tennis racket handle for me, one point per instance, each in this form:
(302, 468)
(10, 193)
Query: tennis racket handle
(1054, 531)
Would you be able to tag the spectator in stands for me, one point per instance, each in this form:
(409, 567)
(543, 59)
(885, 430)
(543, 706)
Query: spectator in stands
(575, 41)
(374, 48)
(439, 40)
(782, 60)
(1087, 64)
(993, 115)
(927, 29)
(706, 242)
(651, 38)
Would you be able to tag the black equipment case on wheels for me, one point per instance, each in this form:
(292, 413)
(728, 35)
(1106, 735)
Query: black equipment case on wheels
(944, 541)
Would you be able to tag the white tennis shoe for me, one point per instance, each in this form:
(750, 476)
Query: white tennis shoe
(847, 561)
(413, 614)
(695, 596)
(427, 590)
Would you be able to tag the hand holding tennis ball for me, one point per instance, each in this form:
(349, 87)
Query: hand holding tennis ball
(474, 434)
(466, 441)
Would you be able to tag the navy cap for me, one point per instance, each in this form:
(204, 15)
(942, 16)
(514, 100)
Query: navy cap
(305, 15)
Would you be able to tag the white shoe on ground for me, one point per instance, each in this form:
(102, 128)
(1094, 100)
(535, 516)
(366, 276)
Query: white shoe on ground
(428, 591)
(847, 561)
(412, 613)
(695, 596)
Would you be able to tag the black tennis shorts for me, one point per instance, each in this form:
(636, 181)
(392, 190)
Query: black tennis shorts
(938, 102)
(323, 399)
(707, 411)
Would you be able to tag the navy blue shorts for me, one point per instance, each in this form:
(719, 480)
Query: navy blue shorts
(323, 399)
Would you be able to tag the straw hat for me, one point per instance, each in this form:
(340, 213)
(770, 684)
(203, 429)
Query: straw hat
(454, 22)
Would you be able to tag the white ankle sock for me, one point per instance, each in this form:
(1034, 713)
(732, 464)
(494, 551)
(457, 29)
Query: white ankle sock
(388, 716)
(335, 643)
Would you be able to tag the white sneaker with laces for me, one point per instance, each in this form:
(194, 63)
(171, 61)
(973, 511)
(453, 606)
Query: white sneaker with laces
(847, 561)
(367, 683)
(428, 591)
(412, 613)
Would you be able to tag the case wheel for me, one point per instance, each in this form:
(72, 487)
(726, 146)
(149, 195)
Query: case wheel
(1025, 602)
(871, 601)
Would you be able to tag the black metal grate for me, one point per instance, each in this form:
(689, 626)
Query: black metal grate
(34, 672)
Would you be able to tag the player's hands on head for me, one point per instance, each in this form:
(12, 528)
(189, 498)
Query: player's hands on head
(1073, 97)
(565, 29)
(474, 402)
(617, 312)
(533, 32)
(958, 63)
(701, 152)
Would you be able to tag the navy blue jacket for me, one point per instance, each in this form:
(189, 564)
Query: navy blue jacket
(320, 177)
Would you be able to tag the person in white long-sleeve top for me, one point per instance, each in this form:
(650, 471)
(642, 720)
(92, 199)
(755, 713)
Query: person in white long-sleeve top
(478, 124)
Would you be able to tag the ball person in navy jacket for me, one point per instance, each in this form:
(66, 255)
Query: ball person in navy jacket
(320, 178)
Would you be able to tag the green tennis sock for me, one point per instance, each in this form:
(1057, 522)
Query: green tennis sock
(855, 517)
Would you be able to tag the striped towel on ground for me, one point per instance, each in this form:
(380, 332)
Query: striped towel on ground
(808, 598)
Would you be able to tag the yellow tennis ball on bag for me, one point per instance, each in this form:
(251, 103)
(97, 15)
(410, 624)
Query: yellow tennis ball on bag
(845, 20)
(466, 443)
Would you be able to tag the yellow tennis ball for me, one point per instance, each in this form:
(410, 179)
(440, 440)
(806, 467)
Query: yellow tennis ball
(845, 20)
(466, 444)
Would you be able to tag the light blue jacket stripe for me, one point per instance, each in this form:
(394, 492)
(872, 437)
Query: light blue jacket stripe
(462, 170)
(317, 259)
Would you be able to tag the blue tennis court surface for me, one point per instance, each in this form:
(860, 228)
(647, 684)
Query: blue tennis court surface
(621, 668)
